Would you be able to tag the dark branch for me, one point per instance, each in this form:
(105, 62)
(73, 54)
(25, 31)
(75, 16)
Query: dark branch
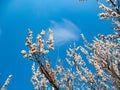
(47, 75)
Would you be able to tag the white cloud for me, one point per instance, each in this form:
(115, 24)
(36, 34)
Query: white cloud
(64, 31)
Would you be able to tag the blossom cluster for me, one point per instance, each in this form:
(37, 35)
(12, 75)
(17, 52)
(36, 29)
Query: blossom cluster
(37, 52)
(102, 54)
(111, 12)
(94, 66)
(38, 49)
(4, 87)
(106, 59)
(38, 79)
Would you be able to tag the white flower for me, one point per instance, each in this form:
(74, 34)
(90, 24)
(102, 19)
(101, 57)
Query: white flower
(29, 31)
(50, 41)
(39, 36)
(83, 50)
(107, 0)
(23, 52)
(45, 51)
(100, 72)
(43, 32)
(25, 56)
(59, 69)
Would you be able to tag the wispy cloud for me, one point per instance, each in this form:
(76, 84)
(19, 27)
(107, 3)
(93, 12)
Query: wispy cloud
(64, 31)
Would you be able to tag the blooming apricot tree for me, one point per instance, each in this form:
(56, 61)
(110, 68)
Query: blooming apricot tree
(103, 54)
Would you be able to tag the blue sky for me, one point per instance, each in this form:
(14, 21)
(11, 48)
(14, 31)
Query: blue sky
(67, 18)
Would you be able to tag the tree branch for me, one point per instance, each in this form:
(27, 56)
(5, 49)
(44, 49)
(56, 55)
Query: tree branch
(48, 76)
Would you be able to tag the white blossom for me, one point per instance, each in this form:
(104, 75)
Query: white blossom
(4, 87)
(23, 52)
